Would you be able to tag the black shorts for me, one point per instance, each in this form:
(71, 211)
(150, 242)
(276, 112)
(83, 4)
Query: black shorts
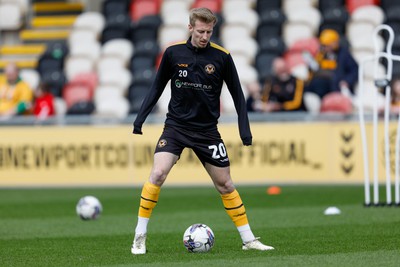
(207, 145)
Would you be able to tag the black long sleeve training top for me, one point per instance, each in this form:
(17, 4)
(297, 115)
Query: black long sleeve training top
(197, 77)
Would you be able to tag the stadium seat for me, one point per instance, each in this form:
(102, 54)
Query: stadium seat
(148, 48)
(234, 5)
(146, 29)
(174, 7)
(324, 5)
(86, 48)
(370, 13)
(122, 48)
(305, 15)
(262, 5)
(272, 44)
(141, 8)
(81, 35)
(293, 5)
(335, 18)
(171, 34)
(264, 65)
(246, 17)
(142, 62)
(354, 4)
(11, 16)
(76, 91)
(81, 108)
(49, 61)
(245, 46)
(94, 21)
(56, 80)
(106, 63)
(336, 102)
(117, 108)
(179, 20)
(120, 78)
(389, 4)
(136, 95)
(214, 6)
(270, 23)
(78, 64)
(59, 106)
(117, 26)
(361, 29)
(293, 32)
(234, 32)
(310, 45)
(31, 77)
(115, 7)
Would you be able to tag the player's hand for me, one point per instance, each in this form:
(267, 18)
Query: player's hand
(137, 130)
(247, 141)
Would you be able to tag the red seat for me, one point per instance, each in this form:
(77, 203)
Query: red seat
(141, 8)
(310, 44)
(81, 88)
(213, 5)
(352, 5)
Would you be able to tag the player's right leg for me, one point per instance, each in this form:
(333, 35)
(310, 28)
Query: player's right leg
(163, 162)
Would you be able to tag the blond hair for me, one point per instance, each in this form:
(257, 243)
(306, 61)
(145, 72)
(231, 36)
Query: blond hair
(203, 14)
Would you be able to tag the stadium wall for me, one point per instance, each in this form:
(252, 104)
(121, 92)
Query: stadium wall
(316, 152)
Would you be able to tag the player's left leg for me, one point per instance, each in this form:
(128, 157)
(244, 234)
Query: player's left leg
(234, 206)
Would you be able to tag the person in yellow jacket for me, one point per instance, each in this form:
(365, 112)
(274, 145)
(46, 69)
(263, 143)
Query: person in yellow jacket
(16, 96)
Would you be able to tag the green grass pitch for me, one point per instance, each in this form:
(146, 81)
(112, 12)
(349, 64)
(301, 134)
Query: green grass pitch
(39, 227)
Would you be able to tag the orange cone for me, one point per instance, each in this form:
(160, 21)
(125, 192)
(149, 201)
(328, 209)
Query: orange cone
(273, 190)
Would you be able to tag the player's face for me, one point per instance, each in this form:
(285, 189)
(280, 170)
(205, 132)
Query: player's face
(201, 33)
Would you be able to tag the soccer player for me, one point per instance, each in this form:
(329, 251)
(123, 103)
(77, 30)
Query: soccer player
(197, 69)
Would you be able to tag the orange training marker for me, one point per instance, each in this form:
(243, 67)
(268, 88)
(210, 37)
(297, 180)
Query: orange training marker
(273, 190)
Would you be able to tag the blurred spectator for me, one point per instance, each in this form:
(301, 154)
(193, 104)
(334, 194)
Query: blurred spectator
(395, 97)
(282, 92)
(43, 106)
(15, 95)
(336, 70)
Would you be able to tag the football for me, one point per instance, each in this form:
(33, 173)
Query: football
(89, 208)
(198, 238)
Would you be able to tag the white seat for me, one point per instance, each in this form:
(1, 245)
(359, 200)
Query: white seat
(246, 17)
(306, 15)
(370, 13)
(11, 16)
(80, 35)
(369, 97)
(24, 4)
(60, 106)
(172, 7)
(234, 32)
(234, 5)
(31, 77)
(366, 42)
(293, 32)
(245, 46)
(292, 5)
(106, 63)
(122, 48)
(114, 107)
(163, 101)
(78, 64)
(168, 35)
(91, 20)
(247, 74)
(178, 19)
(227, 104)
(89, 49)
(360, 55)
(121, 78)
(108, 91)
(358, 29)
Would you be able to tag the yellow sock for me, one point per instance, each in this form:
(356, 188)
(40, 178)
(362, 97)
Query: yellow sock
(234, 207)
(148, 199)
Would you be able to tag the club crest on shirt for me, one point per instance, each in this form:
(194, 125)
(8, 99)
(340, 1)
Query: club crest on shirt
(209, 68)
(162, 143)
